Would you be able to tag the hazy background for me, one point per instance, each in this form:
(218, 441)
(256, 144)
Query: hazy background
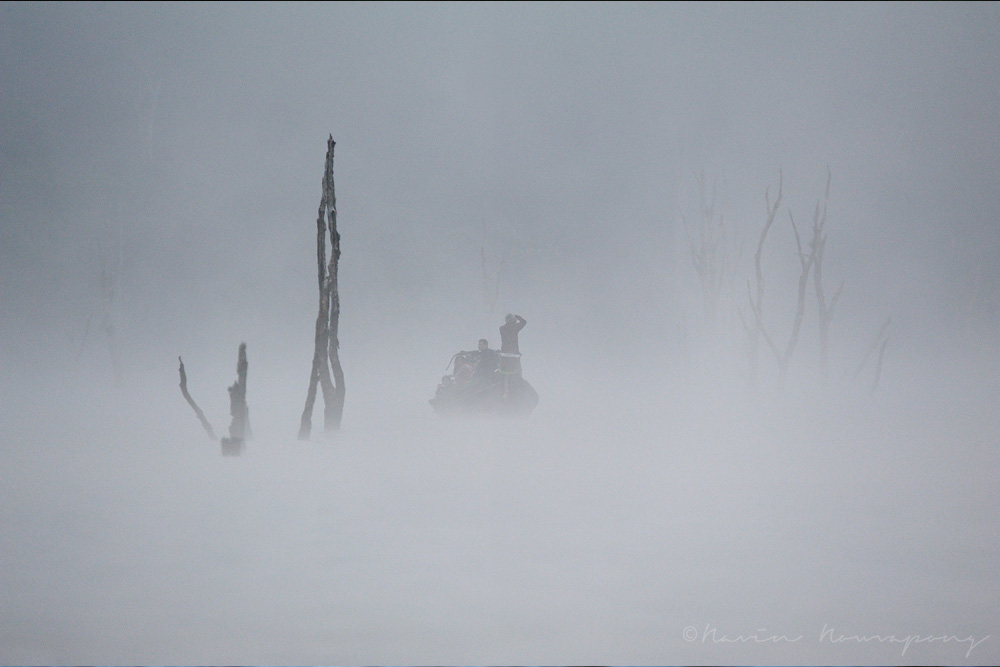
(177, 150)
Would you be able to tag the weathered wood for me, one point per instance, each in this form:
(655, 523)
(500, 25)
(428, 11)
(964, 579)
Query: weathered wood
(326, 341)
(334, 405)
(322, 323)
(238, 407)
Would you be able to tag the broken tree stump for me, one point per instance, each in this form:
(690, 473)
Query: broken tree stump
(239, 427)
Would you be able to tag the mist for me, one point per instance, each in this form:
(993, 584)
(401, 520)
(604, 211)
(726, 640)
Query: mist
(683, 492)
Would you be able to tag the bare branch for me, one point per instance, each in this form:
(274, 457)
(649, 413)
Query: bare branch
(873, 346)
(878, 365)
(194, 406)
(803, 258)
(793, 338)
(835, 299)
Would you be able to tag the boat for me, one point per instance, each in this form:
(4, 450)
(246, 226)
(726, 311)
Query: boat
(500, 391)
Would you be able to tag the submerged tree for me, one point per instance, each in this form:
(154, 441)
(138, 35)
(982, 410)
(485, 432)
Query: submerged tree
(715, 254)
(326, 357)
(810, 259)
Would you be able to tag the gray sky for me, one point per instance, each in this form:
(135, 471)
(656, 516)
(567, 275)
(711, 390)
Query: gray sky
(183, 144)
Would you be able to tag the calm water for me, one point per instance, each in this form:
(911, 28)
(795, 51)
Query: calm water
(663, 531)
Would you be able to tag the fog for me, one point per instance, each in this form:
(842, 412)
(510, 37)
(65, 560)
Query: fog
(669, 501)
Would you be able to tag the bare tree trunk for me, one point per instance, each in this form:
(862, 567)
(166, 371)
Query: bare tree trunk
(327, 344)
(334, 400)
(805, 262)
(824, 309)
(322, 323)
(757, 304)
(782, 357)
(197, 411)
(305, 424)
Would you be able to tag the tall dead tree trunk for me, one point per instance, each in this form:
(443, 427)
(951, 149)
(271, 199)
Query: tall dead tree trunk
(326, 342)
(334, 400)
(320, 370)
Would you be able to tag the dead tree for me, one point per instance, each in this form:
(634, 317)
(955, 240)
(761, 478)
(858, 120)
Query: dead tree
(810, 261)
(197, 411)
(781, 355)
(825, 309)
(708, 245)
(817, 246)
(111, 260)
(753, 329)
(326, 342)
(239, 428)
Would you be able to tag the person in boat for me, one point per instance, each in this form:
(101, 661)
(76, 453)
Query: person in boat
(510, 354)
(508, 333)
(465, 365)
(488, 360)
